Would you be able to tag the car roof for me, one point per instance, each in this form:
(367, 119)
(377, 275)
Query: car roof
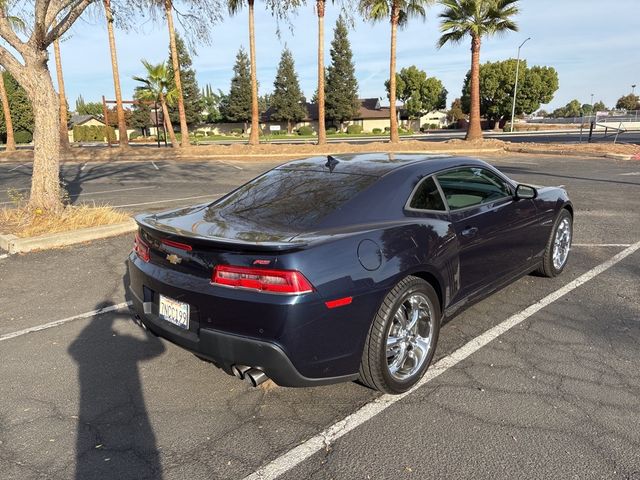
(378, 164)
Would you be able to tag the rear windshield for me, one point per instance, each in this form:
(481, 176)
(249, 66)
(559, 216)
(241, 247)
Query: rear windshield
(292, 199)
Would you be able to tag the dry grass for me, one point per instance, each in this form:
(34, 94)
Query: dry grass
(24, 222)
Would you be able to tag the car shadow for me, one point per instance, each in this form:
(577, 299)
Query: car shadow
(115, 438)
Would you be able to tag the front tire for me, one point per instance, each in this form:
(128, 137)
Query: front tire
(556, 253)
(402, 338)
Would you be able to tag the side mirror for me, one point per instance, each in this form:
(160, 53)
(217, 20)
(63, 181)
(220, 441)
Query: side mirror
(526, 192)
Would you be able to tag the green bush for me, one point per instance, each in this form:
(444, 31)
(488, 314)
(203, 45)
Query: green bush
(22, 136)
(332, 131)
(305, 130)
(134, 135)
(236, 131)
(377, 131)
(93, 133)
(354, 129)
(387, 129)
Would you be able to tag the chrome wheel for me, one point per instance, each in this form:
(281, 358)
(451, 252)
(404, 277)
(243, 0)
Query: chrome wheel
(410, 337)
(562, 244)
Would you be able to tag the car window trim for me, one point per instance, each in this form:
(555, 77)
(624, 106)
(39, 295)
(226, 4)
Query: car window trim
(408, 207)
(491, 203)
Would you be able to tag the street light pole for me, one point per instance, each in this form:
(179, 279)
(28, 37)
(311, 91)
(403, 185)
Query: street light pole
(515, 89)
(593, 110)
(633, 89)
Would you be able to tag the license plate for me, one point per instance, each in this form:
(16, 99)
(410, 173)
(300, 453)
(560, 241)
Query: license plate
(175, 312)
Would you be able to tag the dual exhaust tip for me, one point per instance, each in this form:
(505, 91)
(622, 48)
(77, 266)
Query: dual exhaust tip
(252, 375)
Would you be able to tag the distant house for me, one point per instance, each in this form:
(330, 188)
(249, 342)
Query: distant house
(85, 120)
(371, 116)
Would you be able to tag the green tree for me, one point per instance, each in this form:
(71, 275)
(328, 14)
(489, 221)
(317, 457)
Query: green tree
(341, 98)
(418, 93)
(141, 117)
(586, 109)
(571, 109)
(628, 102)
(193, 105)
(599, 106)
(88, 108)
(237, 106)
(155, 87)
(398, 13)
(211, 104)
(19, 105)
(536, 86)
(287, 100)
(475, 19)
(455, 113)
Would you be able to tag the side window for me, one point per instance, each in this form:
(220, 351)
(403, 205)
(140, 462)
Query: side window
(466, 187)
(427, 196)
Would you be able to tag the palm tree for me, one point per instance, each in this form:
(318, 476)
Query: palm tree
(122, 124)
(10, 145)
(64, 131)
(476, 19)
(154, 87)
(398, 12)
(234, 7)
(184, 129)
(322, 131)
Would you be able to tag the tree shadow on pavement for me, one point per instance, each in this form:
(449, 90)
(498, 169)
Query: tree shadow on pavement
(115, 438)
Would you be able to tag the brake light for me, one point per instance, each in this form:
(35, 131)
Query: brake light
(178, 245)
(141, 248)
(261, 279)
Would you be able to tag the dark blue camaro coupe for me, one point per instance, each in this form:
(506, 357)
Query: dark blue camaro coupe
(340, 268)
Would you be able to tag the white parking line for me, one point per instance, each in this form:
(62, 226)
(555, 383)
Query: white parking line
(323, 440)
(116, 190)
(231, 165)
(154, 165)
(57, 323)
(595, 245)
(15, 168)
(212, 197)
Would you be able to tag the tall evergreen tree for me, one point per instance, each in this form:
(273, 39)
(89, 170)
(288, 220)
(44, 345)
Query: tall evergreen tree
(236, 107)
(341, 85)
(19, 105)
(287, 100)
(193, 105)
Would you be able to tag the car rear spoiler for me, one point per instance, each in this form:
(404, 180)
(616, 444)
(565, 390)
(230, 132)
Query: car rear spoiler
(148, 223)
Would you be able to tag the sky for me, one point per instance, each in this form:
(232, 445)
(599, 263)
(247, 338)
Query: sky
(594, 47)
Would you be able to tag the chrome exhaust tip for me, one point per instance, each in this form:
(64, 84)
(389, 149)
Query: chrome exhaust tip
(240, 371)
(256, 377)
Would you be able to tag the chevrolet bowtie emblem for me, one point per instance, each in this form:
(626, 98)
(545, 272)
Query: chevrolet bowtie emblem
(174, 259)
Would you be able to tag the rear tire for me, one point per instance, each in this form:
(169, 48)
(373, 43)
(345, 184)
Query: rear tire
(556, 253)
(402, 338)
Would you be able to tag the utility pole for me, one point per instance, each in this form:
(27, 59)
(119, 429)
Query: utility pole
(515, 89)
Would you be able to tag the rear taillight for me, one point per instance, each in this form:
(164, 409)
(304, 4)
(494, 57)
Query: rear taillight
(261, 279)
(141, 249)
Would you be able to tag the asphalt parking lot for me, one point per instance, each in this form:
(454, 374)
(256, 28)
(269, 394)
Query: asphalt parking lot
(540, 380)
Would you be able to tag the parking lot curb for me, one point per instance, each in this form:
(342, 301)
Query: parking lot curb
(14, 244)
(535, 151)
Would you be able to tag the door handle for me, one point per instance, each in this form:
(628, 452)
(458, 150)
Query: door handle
(469, 232)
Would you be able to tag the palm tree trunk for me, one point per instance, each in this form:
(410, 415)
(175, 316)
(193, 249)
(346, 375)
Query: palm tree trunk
(122, 124)
(184, 130)
(10, 146)
(64, 132)
(254, 137)
(322, 131)
(394, 137)
(474, 131)
(167, 122)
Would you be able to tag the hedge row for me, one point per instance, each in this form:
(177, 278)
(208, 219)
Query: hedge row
(93, 133)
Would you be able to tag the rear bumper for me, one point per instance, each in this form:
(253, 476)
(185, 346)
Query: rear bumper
(227, 348)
